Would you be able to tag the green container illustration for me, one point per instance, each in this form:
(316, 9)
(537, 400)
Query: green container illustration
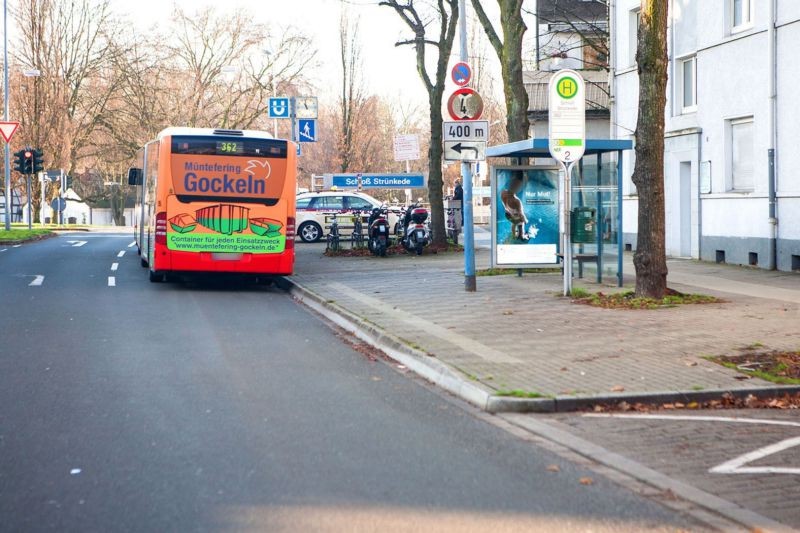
(224, 218)
(265, 227)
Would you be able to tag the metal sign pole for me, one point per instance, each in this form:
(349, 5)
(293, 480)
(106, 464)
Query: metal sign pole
(5, 115)
(470, 284)
(566, 238)
(30, 204)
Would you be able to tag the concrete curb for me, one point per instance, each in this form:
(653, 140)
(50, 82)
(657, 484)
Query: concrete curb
(549, 431)
(445, 377)
(418, 362)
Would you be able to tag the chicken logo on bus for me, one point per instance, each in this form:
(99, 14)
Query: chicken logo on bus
(259, 169)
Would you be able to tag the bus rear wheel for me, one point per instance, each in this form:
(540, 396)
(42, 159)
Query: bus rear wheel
(156, 277)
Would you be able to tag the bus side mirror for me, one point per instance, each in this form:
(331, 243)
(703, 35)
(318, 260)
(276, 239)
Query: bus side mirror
(135, 176)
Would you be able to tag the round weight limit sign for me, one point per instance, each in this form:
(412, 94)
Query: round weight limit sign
(465, 104)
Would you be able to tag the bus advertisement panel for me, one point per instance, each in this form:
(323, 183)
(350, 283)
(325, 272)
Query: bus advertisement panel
(229, 203)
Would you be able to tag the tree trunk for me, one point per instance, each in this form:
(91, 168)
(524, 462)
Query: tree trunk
(650, 258)
(510, 55)
(514, 28)
(435, 181)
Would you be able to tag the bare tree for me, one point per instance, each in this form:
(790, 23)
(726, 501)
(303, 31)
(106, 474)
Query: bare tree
(650, 257)
(444, 18)
(509, 52)
(587, 22)
(351, 97)
(69, 43)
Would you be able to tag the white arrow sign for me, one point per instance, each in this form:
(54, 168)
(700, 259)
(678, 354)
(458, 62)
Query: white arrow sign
(77, 244)
(464, 151)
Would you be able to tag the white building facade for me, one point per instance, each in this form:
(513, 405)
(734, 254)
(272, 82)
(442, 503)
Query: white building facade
(731, 165)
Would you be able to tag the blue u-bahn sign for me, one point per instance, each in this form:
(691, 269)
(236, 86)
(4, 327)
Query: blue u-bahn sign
(376, 181)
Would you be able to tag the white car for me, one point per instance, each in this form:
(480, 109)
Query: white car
(315, 210)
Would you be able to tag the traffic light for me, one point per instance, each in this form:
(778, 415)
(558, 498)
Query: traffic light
(19, 163)
(38, 161)
(27, 155)
(68, 180)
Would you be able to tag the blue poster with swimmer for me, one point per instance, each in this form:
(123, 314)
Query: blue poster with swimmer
(525, 211)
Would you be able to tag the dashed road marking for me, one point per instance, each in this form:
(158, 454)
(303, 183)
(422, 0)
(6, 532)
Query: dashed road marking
(37, 281)
(131, 245)
(77, 244)
(112, 281)
(4, 250)
(121, 253)
(16, 246)
(114, 266)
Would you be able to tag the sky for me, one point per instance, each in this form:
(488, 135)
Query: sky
(389, 71)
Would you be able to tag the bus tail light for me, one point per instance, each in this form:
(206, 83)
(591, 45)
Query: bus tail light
(290, 232)
(161, 228)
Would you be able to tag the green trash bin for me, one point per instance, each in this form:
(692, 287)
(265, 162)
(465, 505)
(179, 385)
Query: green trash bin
(584, 225)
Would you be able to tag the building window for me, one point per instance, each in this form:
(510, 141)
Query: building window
(742, 153)
(741, 12)
(687, 77)
(634, 20)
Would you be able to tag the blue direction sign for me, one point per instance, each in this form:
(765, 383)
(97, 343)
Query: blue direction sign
(307, 130)
(279, 107)
(379, 181)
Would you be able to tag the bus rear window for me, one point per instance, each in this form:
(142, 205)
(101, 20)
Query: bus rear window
(229, 146)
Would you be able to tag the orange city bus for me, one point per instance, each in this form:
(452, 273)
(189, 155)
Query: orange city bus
(215, 201)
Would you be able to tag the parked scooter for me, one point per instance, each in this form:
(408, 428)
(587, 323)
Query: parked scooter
(378, 232)
(416, 234)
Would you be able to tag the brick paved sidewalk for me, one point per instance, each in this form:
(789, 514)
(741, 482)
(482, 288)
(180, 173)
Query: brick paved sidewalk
(518, 334)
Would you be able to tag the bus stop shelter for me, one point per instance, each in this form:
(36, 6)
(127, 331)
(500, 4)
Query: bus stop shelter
(597, 183)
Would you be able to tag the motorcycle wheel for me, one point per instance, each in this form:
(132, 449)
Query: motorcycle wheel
(419, 248)
(381, 247)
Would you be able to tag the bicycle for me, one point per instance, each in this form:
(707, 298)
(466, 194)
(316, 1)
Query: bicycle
(357, 238)
(333, 236)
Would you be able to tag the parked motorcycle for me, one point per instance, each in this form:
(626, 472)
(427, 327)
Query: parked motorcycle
(416, 234)
(378, 231)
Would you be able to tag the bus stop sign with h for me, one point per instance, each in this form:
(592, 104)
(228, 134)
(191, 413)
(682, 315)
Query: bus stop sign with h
(567, 144)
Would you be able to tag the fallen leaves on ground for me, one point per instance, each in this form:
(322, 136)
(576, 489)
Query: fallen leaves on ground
(553, 468)
(586, 481)
(629, 300)
(727, 401)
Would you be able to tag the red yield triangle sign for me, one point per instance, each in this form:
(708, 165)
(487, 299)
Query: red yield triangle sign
(7, 130)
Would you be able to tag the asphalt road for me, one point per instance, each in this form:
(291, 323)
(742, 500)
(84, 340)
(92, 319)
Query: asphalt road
(131, 406)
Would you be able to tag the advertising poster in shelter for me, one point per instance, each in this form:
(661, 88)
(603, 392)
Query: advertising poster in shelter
(525, 227)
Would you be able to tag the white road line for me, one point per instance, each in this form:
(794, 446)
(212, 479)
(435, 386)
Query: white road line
(4, 250)
(736, 466)
(37, 281)
(131, 245)
(735, 419)
(112, 281)
(77, 244)
(16, 246)
(121, 253)
(114, 266)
